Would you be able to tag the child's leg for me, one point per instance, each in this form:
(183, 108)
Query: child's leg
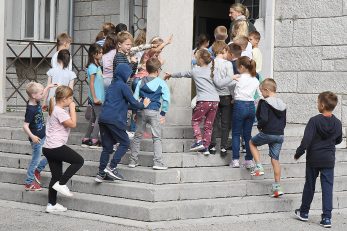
(255, 152)
(36, 155)
(56, 168)
(135, 144)
(274, 153)
(216, 126)
(132, 121)
(309, 188)
(247, 128)
(327, 182)
(107, 142)
(122, 137)
(277, 170)
(95, 133)
(43, 161)
(199, 113)
(154, 121)
(209, 119)
(91, 124)
(237, 121)
(225, 120)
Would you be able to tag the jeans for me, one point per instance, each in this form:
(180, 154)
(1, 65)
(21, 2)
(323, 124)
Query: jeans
(274, 142)
(152, 118)
(327, 182)
(35, 162)
(110, 135)
(242, 122)
(56, 157)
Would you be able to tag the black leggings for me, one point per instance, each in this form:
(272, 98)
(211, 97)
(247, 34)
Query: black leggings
(55, 158)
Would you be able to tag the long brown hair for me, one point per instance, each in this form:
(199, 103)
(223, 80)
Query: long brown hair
(247, 63)
(62, 92)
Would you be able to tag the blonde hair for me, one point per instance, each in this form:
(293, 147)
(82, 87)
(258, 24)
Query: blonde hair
(241, 9)
(141, 38)
(221, 33)
(33, 88)
(156, 40)
(242, 41)
(63, 38)
(219, 47)
(62, 92)
(240, 28)
(269, 84)
(206, 58)
(123, 36)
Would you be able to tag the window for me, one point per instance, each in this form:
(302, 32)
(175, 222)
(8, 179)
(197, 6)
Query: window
(253, 7)
(39, 19)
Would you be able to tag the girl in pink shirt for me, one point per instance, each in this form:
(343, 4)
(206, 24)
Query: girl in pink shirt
(55, 150)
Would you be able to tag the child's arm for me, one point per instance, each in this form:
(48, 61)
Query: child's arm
(164, 44)
(92, 90)
(142, 47)
(263, 114)
(45, 97)
(26, 129)
(166, 100)
(186, 74)
(71, 84)
(132, 101)
(309, 133)
(339, 138)
(137, 91)
(72, 121)
(45, 91)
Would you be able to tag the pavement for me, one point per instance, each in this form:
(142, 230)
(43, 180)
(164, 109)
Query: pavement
(21, 216)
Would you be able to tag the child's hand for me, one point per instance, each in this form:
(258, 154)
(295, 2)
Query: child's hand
(133, 59)
(296, 157)
(146, 102)
(96, 101)
(44, 107)
(35, 139)
(72, 106)
(162, 119)
(155, 45)
(52, 85)
(236, 77)
(167, 76)
(169, 39)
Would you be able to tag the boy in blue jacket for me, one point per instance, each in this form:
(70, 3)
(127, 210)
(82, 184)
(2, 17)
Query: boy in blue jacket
(156, 90)
(112, 122)
(322, 133)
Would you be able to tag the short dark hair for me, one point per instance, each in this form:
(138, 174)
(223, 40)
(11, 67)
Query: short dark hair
(328, 100)
(64, 57)
(235, 49)
(121, 27)
(153, 65)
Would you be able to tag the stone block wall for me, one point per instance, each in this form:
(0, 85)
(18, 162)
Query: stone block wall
(89, 15)
(310, 55)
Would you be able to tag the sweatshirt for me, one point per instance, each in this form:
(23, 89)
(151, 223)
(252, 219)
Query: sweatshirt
(223, 69)
(118, 95)
(321, 135)
(271, 116)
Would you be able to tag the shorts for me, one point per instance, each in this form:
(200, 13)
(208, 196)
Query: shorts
(274, 142)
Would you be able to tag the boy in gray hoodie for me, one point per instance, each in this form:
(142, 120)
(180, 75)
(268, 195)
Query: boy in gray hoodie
(271, 115)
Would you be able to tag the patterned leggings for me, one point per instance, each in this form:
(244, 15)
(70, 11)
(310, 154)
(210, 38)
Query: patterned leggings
(207, 110)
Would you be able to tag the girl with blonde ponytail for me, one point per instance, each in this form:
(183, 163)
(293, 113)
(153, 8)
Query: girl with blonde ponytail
(238, 11)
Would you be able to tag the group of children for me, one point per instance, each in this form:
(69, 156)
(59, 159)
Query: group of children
(125, 78)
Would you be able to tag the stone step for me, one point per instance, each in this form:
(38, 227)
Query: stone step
(168, 210)
(171, 192)
(180, 175)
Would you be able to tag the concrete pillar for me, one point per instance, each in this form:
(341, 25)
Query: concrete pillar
(2, 57)
(174, 17)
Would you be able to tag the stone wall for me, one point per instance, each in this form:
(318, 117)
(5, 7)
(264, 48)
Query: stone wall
(89, 15)
(310, 55)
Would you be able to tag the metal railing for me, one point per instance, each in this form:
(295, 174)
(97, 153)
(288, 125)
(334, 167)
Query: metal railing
(29, 60)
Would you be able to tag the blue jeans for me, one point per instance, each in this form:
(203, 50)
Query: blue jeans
(274, 142)
(110, 135)
(243, 118)
(327, 182)
(35, 162)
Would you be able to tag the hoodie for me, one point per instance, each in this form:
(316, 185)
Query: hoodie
(321, 135)
(271, 116)
(118, 95)
(156, 90)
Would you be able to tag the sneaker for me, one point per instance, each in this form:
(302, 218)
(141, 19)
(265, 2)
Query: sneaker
(32, 187)
(223, 152)
(86, 143)
(63, 189)
(131, 134)
(55, 208)
(301, 216)
(37, 176)
(276, 190)
(258, 170)
(205, 151)
(159, 167)
(325, 222)
(100, 177)
(113, 173)
(197, 146)
(248, 164)
(95, 145)
(133, 164)
(212, 149)
(235, 163)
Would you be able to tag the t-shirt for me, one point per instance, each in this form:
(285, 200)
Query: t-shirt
(98, 82)
(59, 76)
(34, 116)
(258, 58)
(56, 133)
(54, 61)
(107, 62)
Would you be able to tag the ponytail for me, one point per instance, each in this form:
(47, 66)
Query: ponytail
(247, 63)
(212, 69)
(253, 66)
(51, 105)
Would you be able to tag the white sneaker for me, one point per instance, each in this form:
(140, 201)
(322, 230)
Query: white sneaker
(235, 163)
(55, 208)
(248, 164)
(133, 165)
(63, 189)
(131, 134)
(157, 167)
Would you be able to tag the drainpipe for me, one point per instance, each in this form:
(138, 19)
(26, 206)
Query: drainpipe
(71, 18)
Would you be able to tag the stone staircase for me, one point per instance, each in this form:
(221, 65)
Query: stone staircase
(194, 186)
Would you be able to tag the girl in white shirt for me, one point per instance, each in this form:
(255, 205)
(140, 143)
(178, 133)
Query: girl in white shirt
(244, 110)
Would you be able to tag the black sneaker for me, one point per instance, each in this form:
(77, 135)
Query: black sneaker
(301, 216)
(212, 149)
(113, 173)
(325, 222)
(223, 152)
